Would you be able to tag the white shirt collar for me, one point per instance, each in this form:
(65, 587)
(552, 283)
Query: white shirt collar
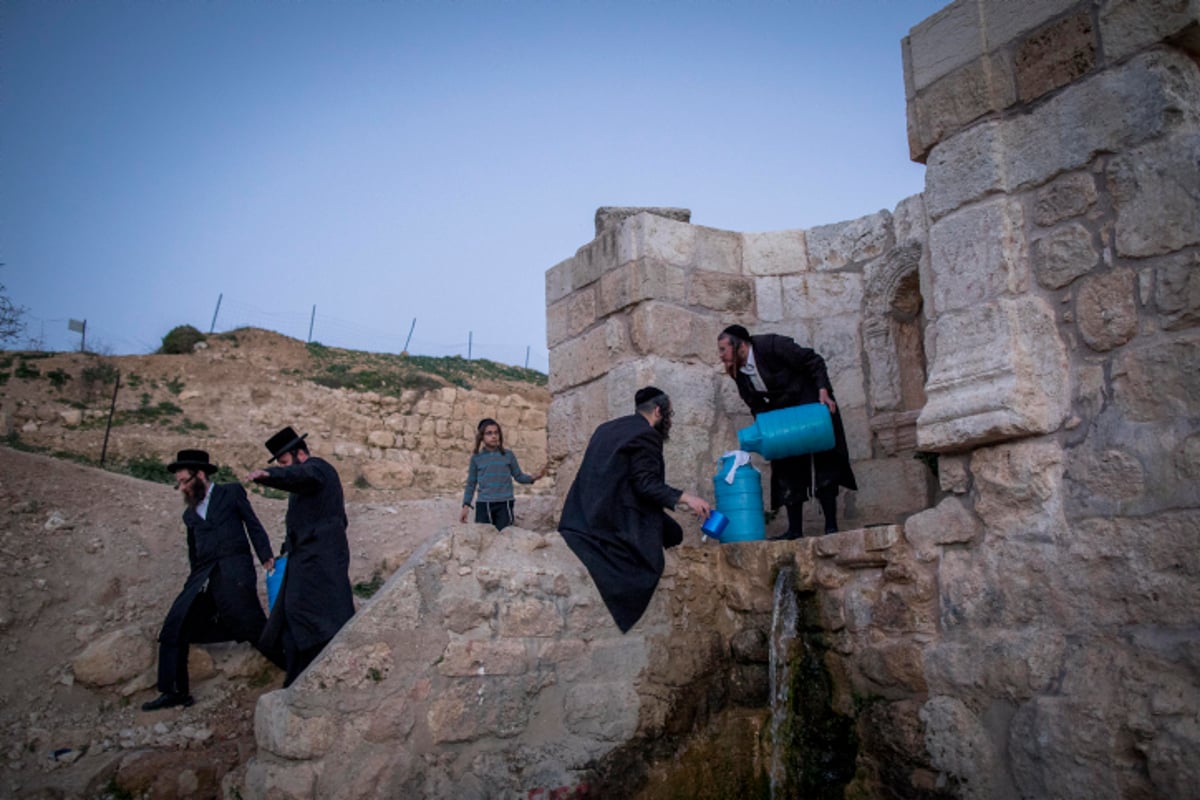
(202, 506)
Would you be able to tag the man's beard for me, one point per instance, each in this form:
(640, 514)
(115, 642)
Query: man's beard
(194, 491)
(663, 426)
(738, 362)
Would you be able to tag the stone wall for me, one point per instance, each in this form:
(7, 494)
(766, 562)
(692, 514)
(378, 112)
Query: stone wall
(488, 667)
(1062, 143)
(1032, 317)
(645, 300)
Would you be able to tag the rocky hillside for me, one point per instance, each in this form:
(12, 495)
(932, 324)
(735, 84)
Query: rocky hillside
(91, 558)
(400, 424)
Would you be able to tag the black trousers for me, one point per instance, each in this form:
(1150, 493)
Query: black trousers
(202, 625)
(499, 514)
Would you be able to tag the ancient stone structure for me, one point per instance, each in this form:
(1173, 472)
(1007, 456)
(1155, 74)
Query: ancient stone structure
(1025, 628)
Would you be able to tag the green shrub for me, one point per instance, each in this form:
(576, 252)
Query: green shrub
(58, 377)
(148, 468)
(175, 385)
(180, 340)
(27, 370)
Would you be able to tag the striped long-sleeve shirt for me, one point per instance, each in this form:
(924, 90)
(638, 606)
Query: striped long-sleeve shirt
(493, 473)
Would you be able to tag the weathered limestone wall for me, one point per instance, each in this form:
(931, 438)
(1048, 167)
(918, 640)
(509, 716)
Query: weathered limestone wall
(1033, 634)
(488, 667)
(645, 300)
(1062, 141)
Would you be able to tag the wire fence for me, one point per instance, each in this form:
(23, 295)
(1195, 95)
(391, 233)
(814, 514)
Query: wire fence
(53, 334)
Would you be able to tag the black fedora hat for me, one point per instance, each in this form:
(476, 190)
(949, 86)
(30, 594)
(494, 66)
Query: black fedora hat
(283, 442)
(192, 459)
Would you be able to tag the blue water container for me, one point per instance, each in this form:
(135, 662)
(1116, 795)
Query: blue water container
(740, 501)
(787, 432)
(275, 580)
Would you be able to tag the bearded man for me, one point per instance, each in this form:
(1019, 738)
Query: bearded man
(772, 371)
(219, 601)
(315, 599)
(614, 517)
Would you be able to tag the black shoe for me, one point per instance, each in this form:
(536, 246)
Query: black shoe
(168, 701)
(831, 529)
(789, 536)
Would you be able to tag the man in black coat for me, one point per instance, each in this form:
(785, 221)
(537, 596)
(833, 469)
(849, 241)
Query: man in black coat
(219, 601)
(613, 518)
(771, 372)
(315, 599)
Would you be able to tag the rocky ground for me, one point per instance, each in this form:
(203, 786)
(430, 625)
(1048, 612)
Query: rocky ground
(91, 559)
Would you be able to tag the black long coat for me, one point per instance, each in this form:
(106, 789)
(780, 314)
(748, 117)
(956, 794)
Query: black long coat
(315, 599)
(794, 376)
(613, 517)
(219, 555)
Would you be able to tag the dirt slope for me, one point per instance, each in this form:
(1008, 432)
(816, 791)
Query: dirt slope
(92, 559)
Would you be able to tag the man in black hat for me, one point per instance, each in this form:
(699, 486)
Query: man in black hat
(613, 517)
(219, 601)
(315, 599)
(771, 372)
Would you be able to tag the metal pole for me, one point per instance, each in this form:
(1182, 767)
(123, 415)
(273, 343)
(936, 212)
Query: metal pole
(527, 356)
(311, 320)
(469, 335)
(213, 325)
(83, 337)
(111, 410)
(411, 328)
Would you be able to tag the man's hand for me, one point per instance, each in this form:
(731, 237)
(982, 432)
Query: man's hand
(696, 504)
(269, 564)
(463, 516)
(824, 397)
(256, 474)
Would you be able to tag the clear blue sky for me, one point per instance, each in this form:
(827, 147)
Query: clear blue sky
(387, 160)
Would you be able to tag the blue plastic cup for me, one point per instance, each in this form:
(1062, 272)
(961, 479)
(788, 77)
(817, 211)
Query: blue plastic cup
(715, 525)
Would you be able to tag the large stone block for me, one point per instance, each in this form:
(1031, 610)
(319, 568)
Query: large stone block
(672, 332)
(570, 316)
(729, 294)
(1000, 372)
(636, 281)
(835, 246)
(280, 730)
(1177, 292)
(1156, 195)
(959, 746)
(768, 295)
(1055, 55)
(812, 296)
(588, 356)
(949, 522)
(890, 489)
(1106, 309)
(774, 252)
(1070, 195)
(1159, 380)
(983, 86)
(1156, 92)
(1128, 26)
(1063, 254)
(1019, 490)
(978, 255)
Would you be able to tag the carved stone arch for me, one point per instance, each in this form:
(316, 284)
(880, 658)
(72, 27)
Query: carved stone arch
(893, 339)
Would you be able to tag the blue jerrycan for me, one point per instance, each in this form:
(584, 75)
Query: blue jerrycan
(740, 501)
(787, 432)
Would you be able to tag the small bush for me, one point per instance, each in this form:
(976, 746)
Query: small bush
(175, 385)
(148, 468)
(367, 589)
(58, 377)
(27, 370)
(180, 340)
